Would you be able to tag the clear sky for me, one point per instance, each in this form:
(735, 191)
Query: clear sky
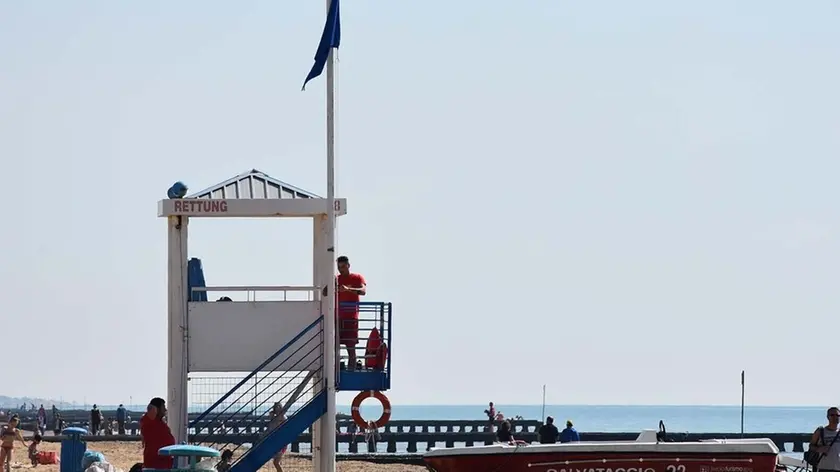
(627, 201)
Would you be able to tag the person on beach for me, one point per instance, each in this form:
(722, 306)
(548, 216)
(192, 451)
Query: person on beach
(225, 461)
(349, 287)
(277, 417)
(58, 424)
(548, 433)
(569, 434)
(42, 424)
(109, 426)
(825, 442)
(372, 436)
(42, 419)
(505, 433)
(155, 434)
(8, 435)
(95, 420)
(33, 449)
(491, 416)
(122, 415)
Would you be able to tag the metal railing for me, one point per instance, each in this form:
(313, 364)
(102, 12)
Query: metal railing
(250, 402)
(354, 325)
(283, 292)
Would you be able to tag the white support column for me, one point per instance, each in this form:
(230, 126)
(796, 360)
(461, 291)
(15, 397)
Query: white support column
(328, 432)
(176, 397)
(328, 425)
(319, 247)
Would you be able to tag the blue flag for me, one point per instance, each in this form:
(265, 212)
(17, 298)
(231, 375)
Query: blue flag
(330, 38)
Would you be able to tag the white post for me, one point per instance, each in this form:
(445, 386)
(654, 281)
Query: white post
(176, 400)
(330, 359)
(319, 247)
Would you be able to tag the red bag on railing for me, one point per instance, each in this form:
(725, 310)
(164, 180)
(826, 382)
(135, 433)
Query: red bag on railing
(374, 342)
(381, 356)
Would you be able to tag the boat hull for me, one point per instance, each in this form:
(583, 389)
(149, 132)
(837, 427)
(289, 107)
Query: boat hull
(531, 459)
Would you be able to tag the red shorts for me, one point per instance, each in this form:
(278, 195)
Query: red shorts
(348, 330)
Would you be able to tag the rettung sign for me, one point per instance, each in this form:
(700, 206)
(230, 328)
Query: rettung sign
(248, 208)
(191, 206)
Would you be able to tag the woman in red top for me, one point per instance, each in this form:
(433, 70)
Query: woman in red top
(155, 434)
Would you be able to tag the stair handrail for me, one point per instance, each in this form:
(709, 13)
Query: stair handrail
(260, 436)
(255, 457)
(258, 369)
(254, 421)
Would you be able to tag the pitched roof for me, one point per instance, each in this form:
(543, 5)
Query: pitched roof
(252, 184)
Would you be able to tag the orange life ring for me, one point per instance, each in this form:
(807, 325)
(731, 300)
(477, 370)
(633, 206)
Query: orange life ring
(357, 402)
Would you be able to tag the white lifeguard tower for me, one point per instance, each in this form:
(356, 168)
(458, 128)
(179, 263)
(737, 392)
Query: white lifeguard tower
(295, 334)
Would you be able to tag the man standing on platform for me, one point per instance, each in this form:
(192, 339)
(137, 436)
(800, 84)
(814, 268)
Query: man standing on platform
(350, 287)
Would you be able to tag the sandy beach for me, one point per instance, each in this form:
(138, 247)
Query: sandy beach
(126, 454)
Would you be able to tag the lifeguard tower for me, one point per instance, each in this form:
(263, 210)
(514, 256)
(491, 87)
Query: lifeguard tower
(288, 345)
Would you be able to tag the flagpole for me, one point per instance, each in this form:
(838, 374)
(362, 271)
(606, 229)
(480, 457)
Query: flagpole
(542, 416)
(742, 403)
(328, 426)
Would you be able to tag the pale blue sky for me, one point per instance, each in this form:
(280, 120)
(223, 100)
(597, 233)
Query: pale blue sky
(627, 201)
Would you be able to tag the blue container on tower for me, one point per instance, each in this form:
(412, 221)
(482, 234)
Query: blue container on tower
(72, 449)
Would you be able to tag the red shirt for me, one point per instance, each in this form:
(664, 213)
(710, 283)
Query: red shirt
(156, 434)
(349, 280)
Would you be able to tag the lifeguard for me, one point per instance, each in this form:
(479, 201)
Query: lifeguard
(349, 287)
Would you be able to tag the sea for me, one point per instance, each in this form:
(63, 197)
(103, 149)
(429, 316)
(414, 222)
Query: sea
(631, 418)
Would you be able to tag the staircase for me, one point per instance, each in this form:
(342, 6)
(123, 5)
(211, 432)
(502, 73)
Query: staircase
(285, 379)
(282, 436)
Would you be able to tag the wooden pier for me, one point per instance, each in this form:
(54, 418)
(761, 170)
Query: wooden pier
(416, 435)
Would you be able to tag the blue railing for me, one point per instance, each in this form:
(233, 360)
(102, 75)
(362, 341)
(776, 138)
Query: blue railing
(365, 316)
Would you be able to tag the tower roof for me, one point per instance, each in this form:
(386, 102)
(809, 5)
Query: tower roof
(253, 184)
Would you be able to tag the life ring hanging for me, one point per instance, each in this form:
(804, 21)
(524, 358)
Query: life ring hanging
(357, 415)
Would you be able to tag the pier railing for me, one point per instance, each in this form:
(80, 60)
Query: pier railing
(413, 436)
